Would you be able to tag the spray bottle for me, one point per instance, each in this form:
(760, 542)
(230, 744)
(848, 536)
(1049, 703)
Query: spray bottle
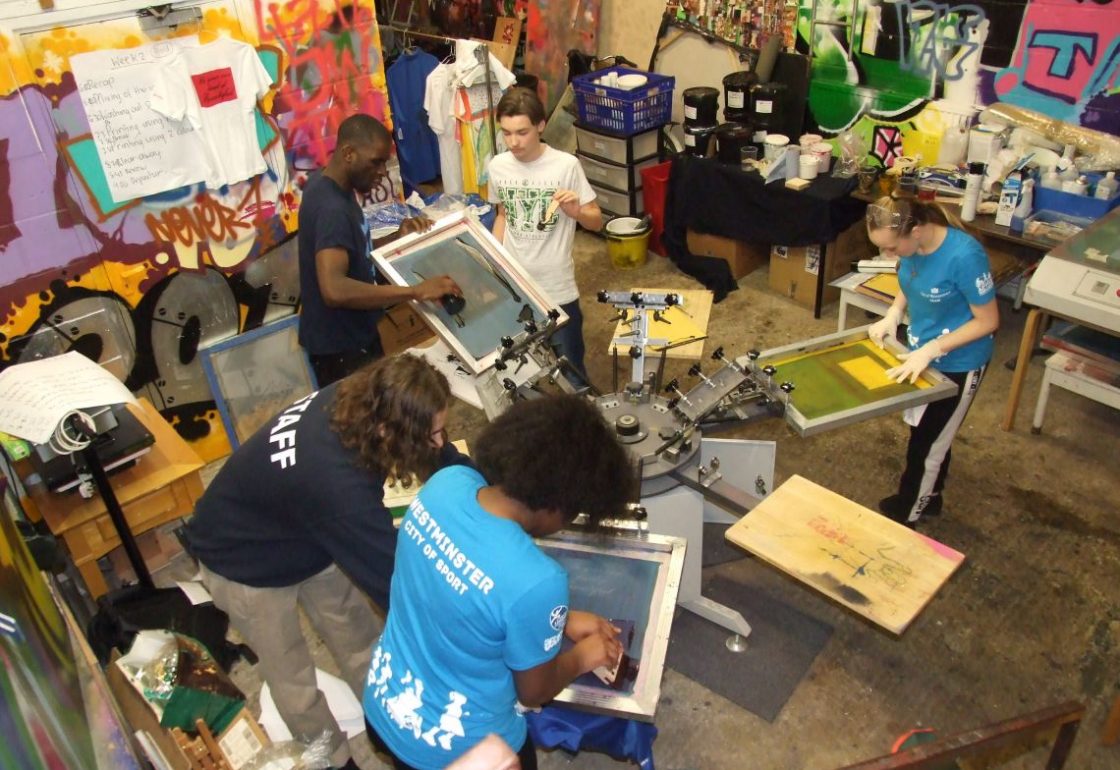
(972, 191)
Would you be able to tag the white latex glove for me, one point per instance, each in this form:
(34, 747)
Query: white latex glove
(885, 326)
(916, 362)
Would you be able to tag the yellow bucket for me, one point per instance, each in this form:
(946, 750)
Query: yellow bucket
(627, 242)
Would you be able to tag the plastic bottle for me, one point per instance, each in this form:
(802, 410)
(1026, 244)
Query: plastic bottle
(954, 146)
(1052, 180)
(1025, 207)
(1066, 167)
(1078, 186)
(972, 191)
(1106, 188)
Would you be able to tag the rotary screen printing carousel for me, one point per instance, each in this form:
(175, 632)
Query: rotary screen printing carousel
(495, 349)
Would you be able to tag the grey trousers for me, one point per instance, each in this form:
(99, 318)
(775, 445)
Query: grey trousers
(268, 620)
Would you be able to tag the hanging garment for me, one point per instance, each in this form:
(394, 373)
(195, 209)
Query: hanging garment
(417, 147)
(438, 94)
(472, 111)
(218, 92)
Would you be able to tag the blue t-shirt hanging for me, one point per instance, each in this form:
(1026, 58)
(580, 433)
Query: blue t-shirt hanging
(472, 600)
(417, 146)
(939, 288)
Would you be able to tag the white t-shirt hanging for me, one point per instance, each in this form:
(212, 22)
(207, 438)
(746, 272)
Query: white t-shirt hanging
(525, 190)
(441, 119)
(219, 92)
(471, 71)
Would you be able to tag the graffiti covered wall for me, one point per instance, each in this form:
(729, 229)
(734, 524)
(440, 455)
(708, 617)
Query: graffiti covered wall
(140, 285)
(900, 73)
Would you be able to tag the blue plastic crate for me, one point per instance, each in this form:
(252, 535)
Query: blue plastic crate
(1077, 205)
(620, 111)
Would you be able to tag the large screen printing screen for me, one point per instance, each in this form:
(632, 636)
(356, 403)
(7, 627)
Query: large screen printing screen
(841, 378)
(634, 583)
(500, 297)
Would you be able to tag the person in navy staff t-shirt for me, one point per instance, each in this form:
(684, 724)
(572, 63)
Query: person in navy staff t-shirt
(296, 519)
(340, 303)
(478, 610)
(947, 286)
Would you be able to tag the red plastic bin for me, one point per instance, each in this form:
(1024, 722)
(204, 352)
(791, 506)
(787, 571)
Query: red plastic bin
(655, 186)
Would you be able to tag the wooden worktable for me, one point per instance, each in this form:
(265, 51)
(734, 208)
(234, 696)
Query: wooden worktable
(161, 487)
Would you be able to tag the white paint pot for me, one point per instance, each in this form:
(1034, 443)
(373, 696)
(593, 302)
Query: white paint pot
(823, 153)
(775, 145)
(806, 141)
(808, 166)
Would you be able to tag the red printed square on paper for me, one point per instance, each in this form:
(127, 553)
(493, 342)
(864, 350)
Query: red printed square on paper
(215, 87)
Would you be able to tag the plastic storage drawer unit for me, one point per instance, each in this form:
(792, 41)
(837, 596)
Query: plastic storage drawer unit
(623, 204)
(617, 149)
(614, 175)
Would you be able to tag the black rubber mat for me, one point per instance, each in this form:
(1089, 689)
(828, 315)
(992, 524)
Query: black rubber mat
(780, 649)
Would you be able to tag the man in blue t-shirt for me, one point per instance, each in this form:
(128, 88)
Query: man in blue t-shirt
(478, 611)
(341, 303)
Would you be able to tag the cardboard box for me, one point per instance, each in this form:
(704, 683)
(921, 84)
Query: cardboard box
(795, 270)
(742, 257)
(235, 747)
(503, 44)
(1008, 199)
(402, 328)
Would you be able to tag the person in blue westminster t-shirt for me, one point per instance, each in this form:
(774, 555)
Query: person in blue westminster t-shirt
(947, 286)
(478, 611)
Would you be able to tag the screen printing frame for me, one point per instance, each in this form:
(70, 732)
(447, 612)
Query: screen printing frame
(225, 374)
(390, 261)
(940, 385)
(668, 553)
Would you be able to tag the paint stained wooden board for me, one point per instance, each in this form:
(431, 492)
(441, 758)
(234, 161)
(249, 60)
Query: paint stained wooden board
(876, 567)
(690, 319)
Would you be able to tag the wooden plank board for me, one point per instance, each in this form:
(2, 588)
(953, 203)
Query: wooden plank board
(876, 567)
(688, 320)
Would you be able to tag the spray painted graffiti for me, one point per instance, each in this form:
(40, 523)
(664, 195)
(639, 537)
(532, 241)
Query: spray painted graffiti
(1067, 64)
(334, 69)
(919, 68)
(143, 285)
(946, 37)
(886, 144)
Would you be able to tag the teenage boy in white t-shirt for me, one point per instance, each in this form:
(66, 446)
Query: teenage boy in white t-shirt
(523, 182)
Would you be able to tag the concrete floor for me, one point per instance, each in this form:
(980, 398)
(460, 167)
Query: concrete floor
(1032, 619)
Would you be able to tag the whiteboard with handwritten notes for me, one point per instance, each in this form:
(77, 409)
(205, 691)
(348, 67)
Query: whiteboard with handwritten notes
(876, 567)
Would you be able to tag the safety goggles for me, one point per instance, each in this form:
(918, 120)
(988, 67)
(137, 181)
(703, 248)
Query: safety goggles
(881, 217)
